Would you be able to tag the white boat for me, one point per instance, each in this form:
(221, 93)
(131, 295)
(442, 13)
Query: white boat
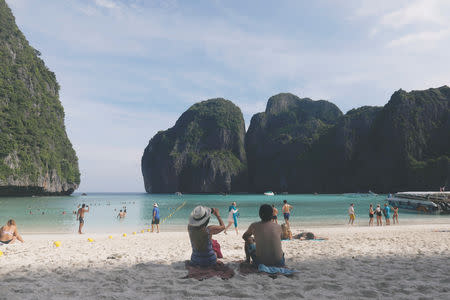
(269, 193)
(428, 202)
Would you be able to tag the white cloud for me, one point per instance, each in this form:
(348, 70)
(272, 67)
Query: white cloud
(106, 4)
(422, 39)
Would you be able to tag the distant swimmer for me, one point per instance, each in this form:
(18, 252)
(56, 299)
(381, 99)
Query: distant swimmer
(286, 210)
(351, 214)
(275, 214)
(80, 216)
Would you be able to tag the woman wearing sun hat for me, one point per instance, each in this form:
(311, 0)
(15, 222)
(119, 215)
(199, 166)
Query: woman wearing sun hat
(200, 235)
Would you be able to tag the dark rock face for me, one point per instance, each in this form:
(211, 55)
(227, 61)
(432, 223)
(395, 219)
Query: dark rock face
(203, 152)
(278, 137)
(36, 156)
(403, 146)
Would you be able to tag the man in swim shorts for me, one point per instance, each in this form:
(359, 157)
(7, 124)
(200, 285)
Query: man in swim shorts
(286, 212)
(80, 216)
(275, 214)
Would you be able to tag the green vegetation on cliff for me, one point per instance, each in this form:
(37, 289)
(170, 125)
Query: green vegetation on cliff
(35, 152)
(203, 152)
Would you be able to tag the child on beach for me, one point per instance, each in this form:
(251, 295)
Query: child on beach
(286, 233)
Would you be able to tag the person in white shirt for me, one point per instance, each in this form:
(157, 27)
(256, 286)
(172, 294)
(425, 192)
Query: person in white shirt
(351, 214)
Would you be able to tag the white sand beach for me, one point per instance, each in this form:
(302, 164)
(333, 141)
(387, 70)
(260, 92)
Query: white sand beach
(396, 262)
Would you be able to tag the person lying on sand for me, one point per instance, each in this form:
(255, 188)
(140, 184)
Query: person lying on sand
(308, 236)
(263, 240)
(200, 233)
(9, 233)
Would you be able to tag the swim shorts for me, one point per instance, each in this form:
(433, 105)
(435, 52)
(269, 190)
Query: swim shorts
(286, 216)
(352, 216)
(274, 218)
(81, 220)
(155, 221)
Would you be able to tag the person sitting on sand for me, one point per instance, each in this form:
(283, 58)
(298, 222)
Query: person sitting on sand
(9, 233)
(286, 233)
(200, 234)
(265, 247)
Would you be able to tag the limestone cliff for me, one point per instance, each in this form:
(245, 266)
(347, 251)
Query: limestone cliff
(36, 156)
(203, 152)
(277, 137)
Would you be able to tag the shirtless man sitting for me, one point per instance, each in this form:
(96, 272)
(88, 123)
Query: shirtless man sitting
(263, 240)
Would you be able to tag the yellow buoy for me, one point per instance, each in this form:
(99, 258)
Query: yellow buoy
(110, 237)
(1, 253)
(124, 235)
(142, 231)
(148, 230)
(134, 232)
(90, 240)
(57, 243)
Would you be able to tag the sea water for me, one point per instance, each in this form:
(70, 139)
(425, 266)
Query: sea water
(55, 214)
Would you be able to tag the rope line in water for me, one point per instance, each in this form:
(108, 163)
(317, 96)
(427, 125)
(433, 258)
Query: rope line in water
(177, 209)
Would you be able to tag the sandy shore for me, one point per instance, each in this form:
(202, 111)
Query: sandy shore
(401, 262)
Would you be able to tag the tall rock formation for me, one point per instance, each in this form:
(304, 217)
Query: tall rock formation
(404, 145)
(203, 152)
(278, 137)
(36, 156)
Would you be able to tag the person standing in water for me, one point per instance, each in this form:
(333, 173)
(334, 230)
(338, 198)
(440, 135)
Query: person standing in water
(387, 214)
(378, 212)
(155, 219)
(351, 214)
(275, 214)
(395, 216)
(371, 213)
(232, 218)
(80, 216)
(286, 212)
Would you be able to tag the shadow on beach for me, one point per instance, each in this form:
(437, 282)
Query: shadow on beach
(419, 276)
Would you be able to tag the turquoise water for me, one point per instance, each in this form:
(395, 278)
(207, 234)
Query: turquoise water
(309, 210)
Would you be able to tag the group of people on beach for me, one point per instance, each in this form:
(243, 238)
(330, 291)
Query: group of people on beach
(378, 212)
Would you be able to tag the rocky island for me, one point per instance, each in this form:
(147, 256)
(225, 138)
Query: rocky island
(203, 152)
(303, 146)
(36, 156)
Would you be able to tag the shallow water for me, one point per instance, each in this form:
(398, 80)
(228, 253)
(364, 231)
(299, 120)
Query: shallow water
(309, 210)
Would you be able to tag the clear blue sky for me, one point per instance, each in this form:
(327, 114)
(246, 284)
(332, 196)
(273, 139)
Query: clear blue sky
(128, 69)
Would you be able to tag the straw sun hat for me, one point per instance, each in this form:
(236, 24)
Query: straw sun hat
(199, 215)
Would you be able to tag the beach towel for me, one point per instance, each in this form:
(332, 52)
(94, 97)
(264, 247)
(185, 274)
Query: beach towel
(247, 268)
(200, 273)
(216, 248)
